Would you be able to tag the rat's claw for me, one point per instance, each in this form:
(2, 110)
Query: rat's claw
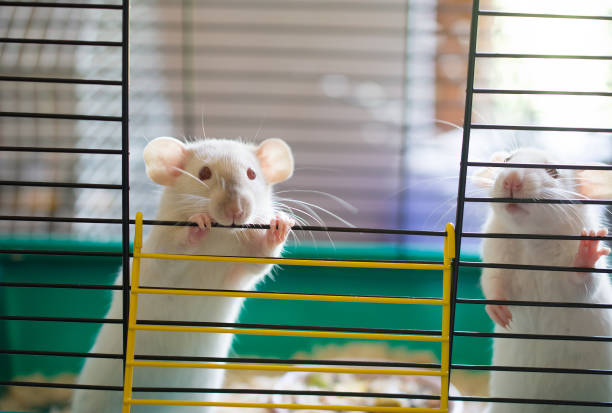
(280, 226)
(204, 221)
(500, 314)
(589, 251)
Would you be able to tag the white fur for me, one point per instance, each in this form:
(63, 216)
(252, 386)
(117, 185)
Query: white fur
(228, 161)
(546, 286)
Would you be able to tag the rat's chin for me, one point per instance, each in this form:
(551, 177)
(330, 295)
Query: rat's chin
(515, 209)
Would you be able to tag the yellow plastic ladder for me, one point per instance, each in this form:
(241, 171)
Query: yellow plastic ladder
(443, 372)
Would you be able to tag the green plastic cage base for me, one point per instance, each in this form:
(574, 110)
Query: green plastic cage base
(78, 337)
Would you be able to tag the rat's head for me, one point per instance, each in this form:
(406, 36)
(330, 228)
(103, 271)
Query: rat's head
(537, 183)
(229, 180)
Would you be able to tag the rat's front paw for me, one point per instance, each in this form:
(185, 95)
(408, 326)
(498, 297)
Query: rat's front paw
(588, 250)
(500, 314)
(204, 222)
(280, 226)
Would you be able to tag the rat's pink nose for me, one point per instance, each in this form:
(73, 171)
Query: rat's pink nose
(513, 183)
(234, 211)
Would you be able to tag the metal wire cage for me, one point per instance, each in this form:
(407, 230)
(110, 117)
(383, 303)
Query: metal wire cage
(102, 139)
(464, 200)
(451, 297)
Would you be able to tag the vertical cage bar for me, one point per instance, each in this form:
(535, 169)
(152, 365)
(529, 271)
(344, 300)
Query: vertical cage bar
(465, 147)
(125, 168)
(131, 335)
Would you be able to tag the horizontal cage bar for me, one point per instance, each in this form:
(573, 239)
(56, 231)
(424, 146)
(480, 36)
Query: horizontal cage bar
(533, 303)
(534, 236)
(554, 337)
(540, 201)
(289, 327)
(230, 359)
(58, 252)
(541, 56)
(266, 391)
(215, 225)
(539, 92)
(291, 392)
(530, 401)
(60, 42)
(541, 128)
(532, 267)
(60, 385)
(265, 367)
(306, 228)
(60, 354)
(61, 80)
(62, 5)
(541, 15)
(61, 219)
(457, 398)
(540, 166)
(36, 115)
(358, 363)
(61, 184)
(70, 286)
(381, 409)
(60, 150)
(531, 369)
(62, 319)
(279, 327)
(403, 265)
(290, 296)
(119, 254)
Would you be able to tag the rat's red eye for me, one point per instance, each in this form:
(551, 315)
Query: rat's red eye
(251, 174)
(205, 173)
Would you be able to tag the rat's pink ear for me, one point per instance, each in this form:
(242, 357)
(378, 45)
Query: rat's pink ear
(162, 157)
(275, 159)
(594, 184)
(485, 176)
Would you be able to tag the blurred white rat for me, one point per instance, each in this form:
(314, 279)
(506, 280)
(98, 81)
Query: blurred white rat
(532, 285)
(207, 181)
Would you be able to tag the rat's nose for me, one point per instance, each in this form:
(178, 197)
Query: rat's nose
(513, 183)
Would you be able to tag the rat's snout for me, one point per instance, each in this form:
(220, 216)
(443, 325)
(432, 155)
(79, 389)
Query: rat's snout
(512, 183)
(234, 210)
(231, 204)
(236, 207)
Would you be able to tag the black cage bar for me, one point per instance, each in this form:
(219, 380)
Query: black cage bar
(462, 199)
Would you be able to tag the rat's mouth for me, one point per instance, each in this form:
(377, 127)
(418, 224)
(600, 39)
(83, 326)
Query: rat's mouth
(515, 209)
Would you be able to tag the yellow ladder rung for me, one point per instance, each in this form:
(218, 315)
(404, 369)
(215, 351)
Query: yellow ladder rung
(298, 262)
(289, 333)
(267, 367)
(292, 406)
(289, 296)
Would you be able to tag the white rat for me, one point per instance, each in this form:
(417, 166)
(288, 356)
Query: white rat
(521, 285)
(206, 181)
